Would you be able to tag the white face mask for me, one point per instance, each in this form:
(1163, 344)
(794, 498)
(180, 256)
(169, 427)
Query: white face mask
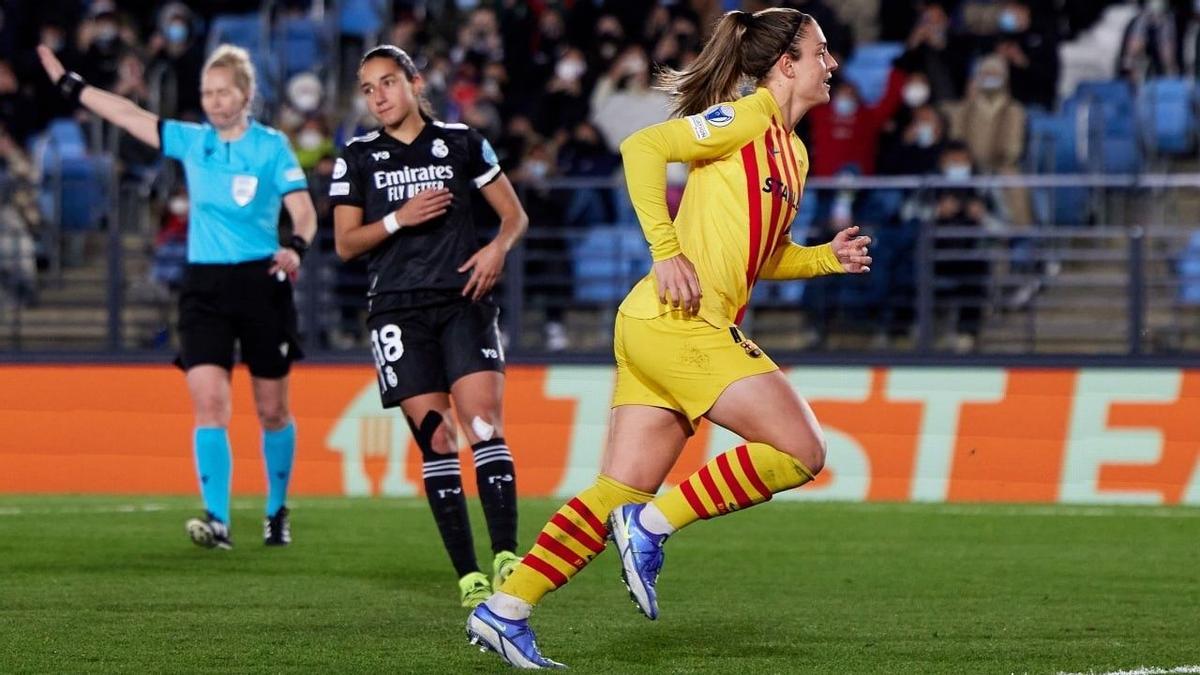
(537, 168)
(309, 139)
(915, 94)
(991, 82)
(957, 171)
(178, 206)
(569, 69)
(845, 106)
(925, 135)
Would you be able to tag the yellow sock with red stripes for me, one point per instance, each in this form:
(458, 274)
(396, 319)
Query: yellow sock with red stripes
(740, 478)
(574, 536)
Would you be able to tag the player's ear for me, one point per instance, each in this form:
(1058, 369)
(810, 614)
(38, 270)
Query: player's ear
(418, 84)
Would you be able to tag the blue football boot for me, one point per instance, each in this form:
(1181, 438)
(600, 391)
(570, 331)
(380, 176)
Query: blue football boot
(641, 556)
(512, 640)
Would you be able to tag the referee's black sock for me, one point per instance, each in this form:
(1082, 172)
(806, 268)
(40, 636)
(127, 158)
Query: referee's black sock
(443, 487)
(496, 478)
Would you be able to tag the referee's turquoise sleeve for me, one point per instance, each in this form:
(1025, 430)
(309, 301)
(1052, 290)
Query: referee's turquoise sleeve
(289, 175)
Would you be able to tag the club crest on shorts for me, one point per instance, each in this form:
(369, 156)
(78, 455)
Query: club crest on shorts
(244, 188)
(439, 148)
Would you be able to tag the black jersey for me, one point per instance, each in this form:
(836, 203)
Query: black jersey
(379, 173)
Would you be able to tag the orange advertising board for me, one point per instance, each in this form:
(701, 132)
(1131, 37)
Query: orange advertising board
(898, 434)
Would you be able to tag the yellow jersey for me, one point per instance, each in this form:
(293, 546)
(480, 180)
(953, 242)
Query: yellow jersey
(746, 177)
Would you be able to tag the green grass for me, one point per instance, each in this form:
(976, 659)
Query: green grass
(784, 588)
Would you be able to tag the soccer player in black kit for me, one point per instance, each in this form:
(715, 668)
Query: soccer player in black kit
(402, 197)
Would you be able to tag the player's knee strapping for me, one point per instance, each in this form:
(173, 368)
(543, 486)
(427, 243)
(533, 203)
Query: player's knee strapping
(574, 536)
(738, 479)
(443, 487)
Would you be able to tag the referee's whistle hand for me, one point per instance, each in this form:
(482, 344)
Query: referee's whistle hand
(287, 261)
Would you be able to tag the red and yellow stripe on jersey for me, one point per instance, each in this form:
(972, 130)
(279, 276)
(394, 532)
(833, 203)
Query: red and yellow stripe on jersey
(746, 177)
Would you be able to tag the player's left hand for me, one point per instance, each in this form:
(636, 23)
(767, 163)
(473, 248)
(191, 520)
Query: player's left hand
(486, 266)
(286, 261)
(851, 250)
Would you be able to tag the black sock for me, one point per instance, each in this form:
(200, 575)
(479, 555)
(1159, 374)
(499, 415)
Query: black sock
(497, 480)
(443, 487)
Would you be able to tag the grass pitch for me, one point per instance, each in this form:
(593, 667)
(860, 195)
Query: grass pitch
(113, 584)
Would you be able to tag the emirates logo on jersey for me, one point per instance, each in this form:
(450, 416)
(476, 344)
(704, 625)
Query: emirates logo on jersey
(406, 183)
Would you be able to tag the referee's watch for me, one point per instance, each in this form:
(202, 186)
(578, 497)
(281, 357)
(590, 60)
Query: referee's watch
(299, 245)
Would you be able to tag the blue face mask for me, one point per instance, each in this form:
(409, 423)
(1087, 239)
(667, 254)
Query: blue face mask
(925, 135)
(844, 106)
(177, 33)
(1008, 21)
(957, 171)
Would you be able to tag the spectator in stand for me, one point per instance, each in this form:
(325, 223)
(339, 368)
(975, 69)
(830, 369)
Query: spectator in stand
(623, 100)
(55, 36)
(564, 102)
(992, 125)
(1029, 44)
(313, 141)
(919, 148)
(915, 94)
(1149, 47)
(933, 49)
(176, 55)
(16, 105)
(845, 134)
(103, 38)
(20, 220)
(961, 283)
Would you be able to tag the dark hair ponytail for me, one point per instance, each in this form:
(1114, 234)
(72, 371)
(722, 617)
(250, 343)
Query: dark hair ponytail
(742, 45)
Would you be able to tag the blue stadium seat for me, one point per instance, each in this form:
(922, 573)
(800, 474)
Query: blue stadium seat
(1052, 148)
(300, 45)
(608, 260)
(361, 18)
(243, 30)
(868, 69)
(1189, 272)
(1166, 111)
(82, 196)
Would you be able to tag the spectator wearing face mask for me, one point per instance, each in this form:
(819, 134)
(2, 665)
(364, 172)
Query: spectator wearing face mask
(176, 58)
(623, 102)
(934, 49)
(991, 123)
(1029, 46)
(915, 94)
(1150, 42)
(846, 133)
(312, 142)
(918, 147)
(102, 39)
(960, 281)
(565, 102)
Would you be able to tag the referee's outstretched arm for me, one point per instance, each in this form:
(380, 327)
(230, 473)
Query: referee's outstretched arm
(139, 122)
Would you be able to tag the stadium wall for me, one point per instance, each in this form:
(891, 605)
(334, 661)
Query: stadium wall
(979, 434)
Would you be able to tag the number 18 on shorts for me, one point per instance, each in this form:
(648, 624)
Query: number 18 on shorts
(425, 350)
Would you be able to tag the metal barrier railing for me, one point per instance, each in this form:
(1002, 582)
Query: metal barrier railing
(1125, 286)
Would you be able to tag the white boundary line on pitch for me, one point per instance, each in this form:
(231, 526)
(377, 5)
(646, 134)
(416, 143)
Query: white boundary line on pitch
(1143, 670)
(152, 507)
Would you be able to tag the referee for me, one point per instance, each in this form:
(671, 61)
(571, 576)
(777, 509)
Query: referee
(237, 288)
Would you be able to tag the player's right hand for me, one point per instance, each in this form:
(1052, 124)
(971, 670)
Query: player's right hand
(424, 206)
(677, 285)
(54, 67)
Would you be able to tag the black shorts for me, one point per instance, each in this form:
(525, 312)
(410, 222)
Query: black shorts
(427, 349)
(221, 305)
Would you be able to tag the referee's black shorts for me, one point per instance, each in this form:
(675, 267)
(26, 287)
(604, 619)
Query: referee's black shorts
(241, 303)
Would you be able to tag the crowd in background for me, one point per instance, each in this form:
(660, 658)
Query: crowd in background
(557, 85)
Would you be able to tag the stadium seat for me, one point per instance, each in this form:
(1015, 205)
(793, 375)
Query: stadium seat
(243, 30)
(1053, 148)
(361, 18)
(608, 260)
(299, 45)
(81, 195)
(1189, 272)
(1166, 112)
(869, 67)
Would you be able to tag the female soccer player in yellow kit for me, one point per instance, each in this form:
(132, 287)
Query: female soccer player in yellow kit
(680, 355)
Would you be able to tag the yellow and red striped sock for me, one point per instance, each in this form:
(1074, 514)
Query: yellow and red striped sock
(574, 536)
(740, 478)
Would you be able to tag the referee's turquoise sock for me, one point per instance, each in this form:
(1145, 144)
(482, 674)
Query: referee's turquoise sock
(279, 447)
(214, 466)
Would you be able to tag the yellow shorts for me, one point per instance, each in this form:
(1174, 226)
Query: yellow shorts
(680, 364)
